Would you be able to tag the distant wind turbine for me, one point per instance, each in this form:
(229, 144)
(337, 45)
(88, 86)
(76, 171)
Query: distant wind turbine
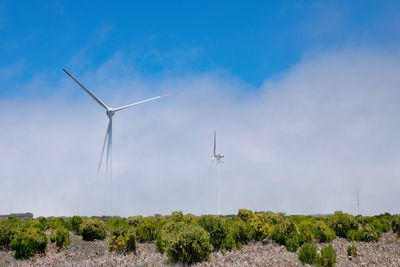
(218, 159)
(110, 113)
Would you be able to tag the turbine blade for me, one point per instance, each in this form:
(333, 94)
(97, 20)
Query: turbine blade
(87, 91)
(104, 144)
(211, 165)
(140, 102)
(215, 141)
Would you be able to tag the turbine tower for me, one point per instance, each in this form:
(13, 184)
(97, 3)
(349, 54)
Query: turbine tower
(218, 159)
(108, 138)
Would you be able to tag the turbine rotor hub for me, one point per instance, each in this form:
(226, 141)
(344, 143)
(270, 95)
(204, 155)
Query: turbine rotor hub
(110, 113)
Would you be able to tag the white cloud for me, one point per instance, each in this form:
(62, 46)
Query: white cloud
(299, 144)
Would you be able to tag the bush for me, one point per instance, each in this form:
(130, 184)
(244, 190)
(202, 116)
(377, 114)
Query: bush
(218, 231)
(61, 237)
(341, 223)
(324, 233)
(308, 253)
(56, 222)
(190, 244)
(177, 216)
(351, 251)
(43, 222)
(240, 231)
(28, 242)
(292, 244)
(8, 229)
(245, 215)
(396, 223)
(274, 218)
(76, 222)
(369, 235)
(327, 257)
(260, 226)
(122, 241)
(354, 235)
(281, 232)
(164, 235)
(147, 229)
(380, 224)
(135, 220)
(92, 229)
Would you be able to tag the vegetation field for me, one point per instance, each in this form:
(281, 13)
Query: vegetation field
(246, 239)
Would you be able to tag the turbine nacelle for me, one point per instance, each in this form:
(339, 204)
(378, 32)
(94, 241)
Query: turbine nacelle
(218, 156)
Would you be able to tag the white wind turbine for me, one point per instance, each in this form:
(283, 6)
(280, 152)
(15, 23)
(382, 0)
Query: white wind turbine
(218, 159)
(110, 113)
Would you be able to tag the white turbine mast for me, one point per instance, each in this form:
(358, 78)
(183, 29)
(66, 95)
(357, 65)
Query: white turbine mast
(110, 113)
(218, 159)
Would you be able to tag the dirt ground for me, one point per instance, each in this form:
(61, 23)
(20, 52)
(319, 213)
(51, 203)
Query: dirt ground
(386, 252)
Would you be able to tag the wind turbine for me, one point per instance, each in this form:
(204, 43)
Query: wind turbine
(218, 159)
(110, 113)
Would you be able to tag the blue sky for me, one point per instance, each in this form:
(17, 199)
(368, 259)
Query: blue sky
(304, 96)
(251, 41)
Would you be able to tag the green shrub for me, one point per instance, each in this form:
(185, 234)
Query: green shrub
(8, 229)
(354, 235)
(61, 237)
(33, 223)
(324, 233)
(369, 234)
(245, 215)
(147, 229)
(230, 243)
(43, 222)
(240, 231)
(76, 222)
(218, 231)
(292, 244)
(135, 220)
(260, 226)
(177, 216)
(28, 242)
(380, 224)
(308, 253)
(163, 236)
(92, 229)
(118, 223)
(281, 232)
(396, 224)
(341, 223)
(351, 251)
(122, 241)
(327, 256)
(190, 244)
(162, 242)
(274, 218)
(307, 229)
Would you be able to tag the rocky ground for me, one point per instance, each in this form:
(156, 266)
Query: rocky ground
(386, 252)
